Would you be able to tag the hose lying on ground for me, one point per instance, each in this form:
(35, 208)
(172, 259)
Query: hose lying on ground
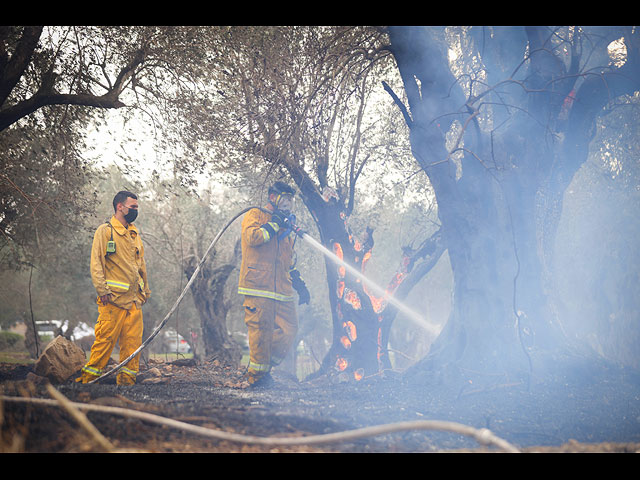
(178, 300)
(482, 436)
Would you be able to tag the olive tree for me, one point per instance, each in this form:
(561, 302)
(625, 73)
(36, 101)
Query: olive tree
(501, 119)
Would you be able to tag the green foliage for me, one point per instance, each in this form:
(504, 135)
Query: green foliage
(10, 340)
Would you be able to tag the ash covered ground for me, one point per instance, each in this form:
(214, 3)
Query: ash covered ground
(598, 413)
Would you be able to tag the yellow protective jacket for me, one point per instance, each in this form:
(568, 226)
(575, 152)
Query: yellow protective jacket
(122, 274)
(266, 260)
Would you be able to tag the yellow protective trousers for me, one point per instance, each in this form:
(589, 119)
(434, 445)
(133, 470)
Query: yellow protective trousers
(115, 325)
(272, 326)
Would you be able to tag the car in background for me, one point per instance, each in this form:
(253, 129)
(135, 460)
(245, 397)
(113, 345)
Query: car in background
(173, 342)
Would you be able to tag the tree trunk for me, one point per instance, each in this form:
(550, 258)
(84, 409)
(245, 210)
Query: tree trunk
(499, 205)
(208, 291)
(355, 346)
(361, 318)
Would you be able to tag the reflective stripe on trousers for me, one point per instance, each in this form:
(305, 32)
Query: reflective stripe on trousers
(252, 292)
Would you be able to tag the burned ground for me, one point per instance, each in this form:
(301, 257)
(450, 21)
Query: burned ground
(600, 413)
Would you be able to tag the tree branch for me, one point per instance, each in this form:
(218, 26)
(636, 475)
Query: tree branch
(12, 70)
(46, 95)
(403, 108)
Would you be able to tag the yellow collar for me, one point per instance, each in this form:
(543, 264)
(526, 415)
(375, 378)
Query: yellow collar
(121, 229)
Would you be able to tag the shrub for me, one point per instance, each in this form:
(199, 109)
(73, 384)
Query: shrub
(10, 340)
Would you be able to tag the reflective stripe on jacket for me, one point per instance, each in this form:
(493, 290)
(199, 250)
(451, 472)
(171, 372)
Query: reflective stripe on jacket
(266, 260)
(122, 274)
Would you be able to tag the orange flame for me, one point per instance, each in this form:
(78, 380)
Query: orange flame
(352, 299)
(350, 328)
(341, 364)
(358, 374)
(340, 290)
(346, 343)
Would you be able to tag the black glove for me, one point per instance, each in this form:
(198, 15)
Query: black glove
(298, 284)
(280, 218)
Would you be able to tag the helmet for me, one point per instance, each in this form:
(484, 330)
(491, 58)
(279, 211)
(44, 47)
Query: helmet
(284, 196)
(279, 188)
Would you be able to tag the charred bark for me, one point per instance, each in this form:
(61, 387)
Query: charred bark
(353, 352)
(500, 205)
(414, 266)
(362, 318)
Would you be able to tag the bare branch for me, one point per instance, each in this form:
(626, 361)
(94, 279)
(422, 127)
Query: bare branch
(403, 108)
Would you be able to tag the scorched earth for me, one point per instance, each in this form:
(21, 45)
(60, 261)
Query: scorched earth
(600, 412)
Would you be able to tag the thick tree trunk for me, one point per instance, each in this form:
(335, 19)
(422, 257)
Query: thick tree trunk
(487, 206)
(500, 205)
(208, 291)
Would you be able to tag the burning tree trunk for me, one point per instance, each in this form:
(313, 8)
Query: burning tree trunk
(355, 351)
(208, 291)
(361, 317)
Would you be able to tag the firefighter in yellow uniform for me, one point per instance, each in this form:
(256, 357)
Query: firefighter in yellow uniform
(119, 275)
(266, 282)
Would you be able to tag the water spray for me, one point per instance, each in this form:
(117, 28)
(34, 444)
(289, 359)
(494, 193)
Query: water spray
(412, 315)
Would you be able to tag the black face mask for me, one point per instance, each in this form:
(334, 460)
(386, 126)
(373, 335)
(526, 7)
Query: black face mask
(131, 216)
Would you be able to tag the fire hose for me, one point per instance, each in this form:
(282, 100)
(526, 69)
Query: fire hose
(483, 436)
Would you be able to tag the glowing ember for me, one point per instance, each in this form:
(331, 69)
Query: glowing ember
(350, 328)
(352, 299)
(346, 343)
(340, 290)
(365, 259)
(358, 374)
(377, 303)
(341, 364)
